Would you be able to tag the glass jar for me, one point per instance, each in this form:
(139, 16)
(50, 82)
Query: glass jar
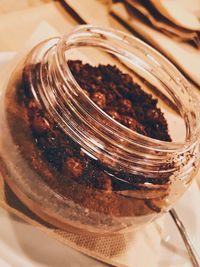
(45, 115)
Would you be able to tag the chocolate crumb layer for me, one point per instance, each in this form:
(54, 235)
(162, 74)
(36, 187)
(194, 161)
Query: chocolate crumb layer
(121, 98)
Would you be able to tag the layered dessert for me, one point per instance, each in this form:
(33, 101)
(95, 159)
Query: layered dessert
(63, 164)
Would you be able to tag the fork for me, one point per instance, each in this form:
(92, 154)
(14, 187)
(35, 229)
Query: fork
(194, 256)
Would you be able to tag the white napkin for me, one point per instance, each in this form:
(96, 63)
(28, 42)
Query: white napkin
(192, 5)
(178, 14)
(183, 55)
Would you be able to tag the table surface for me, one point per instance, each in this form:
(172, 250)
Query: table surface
(14, 31)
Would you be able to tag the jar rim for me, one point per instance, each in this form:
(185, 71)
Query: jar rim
(121, 37)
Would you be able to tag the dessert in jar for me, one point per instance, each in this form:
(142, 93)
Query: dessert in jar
(100, 132)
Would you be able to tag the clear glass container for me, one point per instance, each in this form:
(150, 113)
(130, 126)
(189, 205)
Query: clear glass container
(141, 177)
